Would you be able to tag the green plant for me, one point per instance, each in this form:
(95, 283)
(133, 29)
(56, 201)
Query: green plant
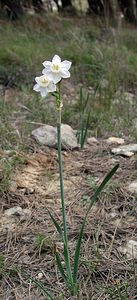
(83, 126)
(119, 290)
(44, 244)
(54, 71)
(85, 115)
(40, 238)
(8, 164)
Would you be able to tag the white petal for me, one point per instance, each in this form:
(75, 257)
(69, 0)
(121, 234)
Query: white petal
(36, 87)
(55, 77)
(46, 71)
(47, 63)
(56, 59)
(51, 87)
(48, 74)
(65, 74)
(66, 64)
(43, 92)
(37, 79)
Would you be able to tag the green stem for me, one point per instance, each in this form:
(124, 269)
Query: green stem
(66, 249)
(61, 178)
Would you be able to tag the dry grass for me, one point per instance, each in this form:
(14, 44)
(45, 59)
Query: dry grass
(27, 243)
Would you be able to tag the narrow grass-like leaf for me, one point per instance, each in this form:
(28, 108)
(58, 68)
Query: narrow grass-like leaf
(66, 253)
(81, 98)
(38, 284)
(60, 267)
(79, 241)
(58, 227)
(86, 102)
(84, 132)
(67, 264)
(83, 127)
(41, 287)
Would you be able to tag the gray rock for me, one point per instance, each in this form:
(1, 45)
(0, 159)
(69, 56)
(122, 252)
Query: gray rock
(92, 140)
(132, 187)
(47, 135)
(69, 140)
(130, 249)
(16, 210)
(130, 147)
(115, 140)
(125, 150)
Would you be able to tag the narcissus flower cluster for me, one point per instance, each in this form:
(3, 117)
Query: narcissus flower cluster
(53, 72)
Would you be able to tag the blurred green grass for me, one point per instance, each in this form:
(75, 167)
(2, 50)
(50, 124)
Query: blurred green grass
(97, 53)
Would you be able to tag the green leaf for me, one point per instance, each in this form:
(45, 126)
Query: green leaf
(84, 132)
(58, 227)
(67, 264)
(66, 254)
(43, 288)
(86, 102)
(38, 284)
(81, 98)
(79, 241)
(60, 267)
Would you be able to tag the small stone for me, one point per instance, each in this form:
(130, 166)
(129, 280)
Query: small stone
(29, 191)
(92, 140)
(115, 140)
(132, 187)
(40, 275)
(122, 152)
(126, 150)
(130, 249)
(16, 210)
(112, 214)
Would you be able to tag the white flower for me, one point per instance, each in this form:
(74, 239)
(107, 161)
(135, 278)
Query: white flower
(44, 85)
(56, 69)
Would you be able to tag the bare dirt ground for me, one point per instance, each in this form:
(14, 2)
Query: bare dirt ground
(28, 237)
